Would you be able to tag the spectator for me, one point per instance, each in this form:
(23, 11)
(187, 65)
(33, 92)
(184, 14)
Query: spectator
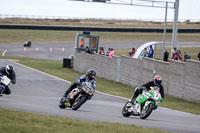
(112, 52)
(88, 50)
(176, 54)
(166, 55)
(144, 52)
(186, 56)
(107, 53)
(132, 52)
(101, 51)
(173, 52)
(81, 43)
(198, 56)
(151, 52)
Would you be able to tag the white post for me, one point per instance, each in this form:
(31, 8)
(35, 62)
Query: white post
(165, 28)
(175, 26)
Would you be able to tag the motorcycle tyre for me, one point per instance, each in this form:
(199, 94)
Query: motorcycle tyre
(1, 90)
(125, 112)
(78, 102)
(62, 103)
(148, 112)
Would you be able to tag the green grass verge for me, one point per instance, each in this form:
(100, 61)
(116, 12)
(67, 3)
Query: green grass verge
(22, 122)
(54, 67)
(20, 36)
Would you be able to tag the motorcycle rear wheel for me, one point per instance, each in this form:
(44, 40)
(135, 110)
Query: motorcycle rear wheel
(125, 112)
(78, 102)
(147, 112)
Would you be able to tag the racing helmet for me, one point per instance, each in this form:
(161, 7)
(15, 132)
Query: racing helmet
(157, 80)
(9, 69)
(91, 73)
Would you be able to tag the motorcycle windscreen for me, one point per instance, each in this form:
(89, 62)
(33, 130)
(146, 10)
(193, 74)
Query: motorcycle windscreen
(5, 80)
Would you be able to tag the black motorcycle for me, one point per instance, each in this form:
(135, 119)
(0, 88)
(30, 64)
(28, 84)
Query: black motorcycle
(27, 44)
(4, 81)
(77, 96)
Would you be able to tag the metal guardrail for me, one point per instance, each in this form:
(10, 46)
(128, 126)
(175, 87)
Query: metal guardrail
(96, 29)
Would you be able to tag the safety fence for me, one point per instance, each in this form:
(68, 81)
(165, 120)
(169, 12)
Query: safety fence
(180, 79)
(97, 29)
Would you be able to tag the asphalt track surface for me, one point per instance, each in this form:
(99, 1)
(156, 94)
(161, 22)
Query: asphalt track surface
(40, 93)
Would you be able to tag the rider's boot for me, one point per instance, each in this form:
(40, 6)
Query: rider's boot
(134, 98)
(68, 102)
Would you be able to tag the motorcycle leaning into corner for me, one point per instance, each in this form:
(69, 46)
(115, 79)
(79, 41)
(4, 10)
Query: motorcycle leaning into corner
(144, 104)
(77, 96)
(4, 82)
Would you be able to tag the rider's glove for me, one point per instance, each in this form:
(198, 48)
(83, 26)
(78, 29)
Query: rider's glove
(144, 88)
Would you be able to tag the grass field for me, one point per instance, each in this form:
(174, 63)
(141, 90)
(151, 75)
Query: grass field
(20, 36)
(98, 23)
(21, 122)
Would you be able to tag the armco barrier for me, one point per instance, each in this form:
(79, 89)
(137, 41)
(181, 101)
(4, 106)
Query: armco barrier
(97, 29)
(180, 79)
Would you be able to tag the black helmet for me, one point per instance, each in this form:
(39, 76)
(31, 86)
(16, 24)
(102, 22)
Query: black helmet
(91, 74)
(9, 69)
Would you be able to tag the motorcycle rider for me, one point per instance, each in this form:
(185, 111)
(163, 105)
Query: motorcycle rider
(88, 77)
(156, 82)
(10, 73)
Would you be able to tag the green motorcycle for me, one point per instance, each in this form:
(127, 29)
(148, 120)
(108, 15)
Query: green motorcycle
(144, 104)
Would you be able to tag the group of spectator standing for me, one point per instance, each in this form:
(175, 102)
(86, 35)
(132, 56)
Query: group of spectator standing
(110, 52)
(176, 54)
(149, 54)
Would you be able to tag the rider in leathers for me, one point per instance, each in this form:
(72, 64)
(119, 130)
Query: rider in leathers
(156, 82)
(88, 77)
(10, 73)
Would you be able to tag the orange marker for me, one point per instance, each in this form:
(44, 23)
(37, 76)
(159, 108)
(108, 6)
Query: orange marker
(25, 50)
(51, 50)
(36, 50)
(63, 50)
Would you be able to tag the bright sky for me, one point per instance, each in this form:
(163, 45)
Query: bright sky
(189, 9)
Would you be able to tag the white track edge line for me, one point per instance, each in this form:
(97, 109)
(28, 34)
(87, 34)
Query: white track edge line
(3, 54)
(42, 72)
(68, 81)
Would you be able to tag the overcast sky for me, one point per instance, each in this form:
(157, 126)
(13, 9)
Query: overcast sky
(189, 9)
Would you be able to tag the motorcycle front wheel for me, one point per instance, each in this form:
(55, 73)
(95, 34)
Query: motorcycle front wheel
(125, 112)
(145, 112)
(1, 90)
(78, 102)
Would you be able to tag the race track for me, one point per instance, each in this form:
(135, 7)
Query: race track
(40, 93)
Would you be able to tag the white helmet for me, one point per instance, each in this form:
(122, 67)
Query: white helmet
(9, 69)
